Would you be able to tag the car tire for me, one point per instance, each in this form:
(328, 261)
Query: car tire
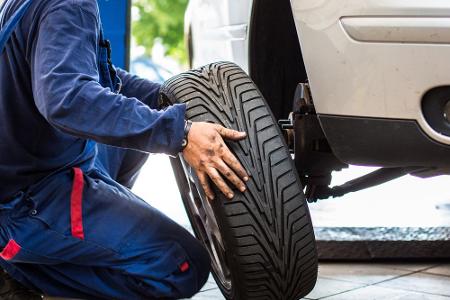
(261, 242)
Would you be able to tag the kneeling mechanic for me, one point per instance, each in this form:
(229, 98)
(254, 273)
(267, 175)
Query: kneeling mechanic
(74, 132)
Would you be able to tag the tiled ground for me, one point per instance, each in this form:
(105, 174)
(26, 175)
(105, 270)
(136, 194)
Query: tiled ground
(370, 281)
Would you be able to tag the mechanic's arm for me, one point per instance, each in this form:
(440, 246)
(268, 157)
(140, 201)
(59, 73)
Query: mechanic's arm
(140, 88)
(206, 151)
(67, 93)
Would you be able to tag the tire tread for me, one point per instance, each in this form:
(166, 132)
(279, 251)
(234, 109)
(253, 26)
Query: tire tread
(270, 235)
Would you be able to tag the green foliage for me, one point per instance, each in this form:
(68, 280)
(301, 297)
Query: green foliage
(161, 20)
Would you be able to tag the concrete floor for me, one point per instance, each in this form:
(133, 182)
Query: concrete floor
(370, 281)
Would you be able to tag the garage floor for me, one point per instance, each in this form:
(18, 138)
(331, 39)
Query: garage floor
(348, 281)
(367, 281)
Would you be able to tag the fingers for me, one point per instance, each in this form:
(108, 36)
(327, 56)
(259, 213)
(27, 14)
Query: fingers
(205, 185)
(210, 157)
(230, 175)
(231, 134)
(228, 157)
(232, 161)
(220, 183)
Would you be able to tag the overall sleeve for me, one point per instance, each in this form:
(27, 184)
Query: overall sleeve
(143, 89)
(67, 92)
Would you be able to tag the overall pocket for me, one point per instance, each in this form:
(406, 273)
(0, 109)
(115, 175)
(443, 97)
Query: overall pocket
(59, 203)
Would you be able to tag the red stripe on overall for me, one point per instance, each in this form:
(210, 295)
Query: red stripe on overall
(76, 199)
(10, 251)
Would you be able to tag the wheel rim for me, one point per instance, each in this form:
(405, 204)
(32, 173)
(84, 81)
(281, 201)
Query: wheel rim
(205, 223)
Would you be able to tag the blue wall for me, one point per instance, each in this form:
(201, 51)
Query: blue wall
(115, 19)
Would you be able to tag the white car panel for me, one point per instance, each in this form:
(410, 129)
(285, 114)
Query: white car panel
(398, 30)
(220, 31)
(378, 78)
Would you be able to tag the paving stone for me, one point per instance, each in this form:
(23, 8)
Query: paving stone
(421, 282)
(381, 293)
(413, 267)
(367, 273)
(440, 270)
(327, 287)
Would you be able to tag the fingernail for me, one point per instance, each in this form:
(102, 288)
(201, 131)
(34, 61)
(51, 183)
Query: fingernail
(242, 189)
(230, 195)
(245, 178)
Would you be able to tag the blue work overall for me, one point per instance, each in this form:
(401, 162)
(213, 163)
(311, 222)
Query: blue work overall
(81, 233)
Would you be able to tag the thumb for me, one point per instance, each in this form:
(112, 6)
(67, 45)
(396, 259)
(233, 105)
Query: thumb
(231, 134)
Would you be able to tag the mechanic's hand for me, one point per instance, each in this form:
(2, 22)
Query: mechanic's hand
(208, 154)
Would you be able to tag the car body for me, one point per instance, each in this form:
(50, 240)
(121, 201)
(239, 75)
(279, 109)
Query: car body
(378, 70)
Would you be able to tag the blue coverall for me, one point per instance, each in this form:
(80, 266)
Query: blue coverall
(71, 145)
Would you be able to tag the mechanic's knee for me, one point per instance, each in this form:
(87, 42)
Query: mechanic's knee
(198, 272)
(184, 282)
(203, 266)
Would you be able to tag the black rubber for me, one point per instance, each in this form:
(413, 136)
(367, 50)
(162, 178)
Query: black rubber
(11, 289)
(267, 230)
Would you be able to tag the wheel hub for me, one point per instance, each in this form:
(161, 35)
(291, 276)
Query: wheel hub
(204, 219)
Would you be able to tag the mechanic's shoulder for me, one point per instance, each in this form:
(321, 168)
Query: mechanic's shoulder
(89, 6)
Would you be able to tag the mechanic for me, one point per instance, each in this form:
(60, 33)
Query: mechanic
(74, 132)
